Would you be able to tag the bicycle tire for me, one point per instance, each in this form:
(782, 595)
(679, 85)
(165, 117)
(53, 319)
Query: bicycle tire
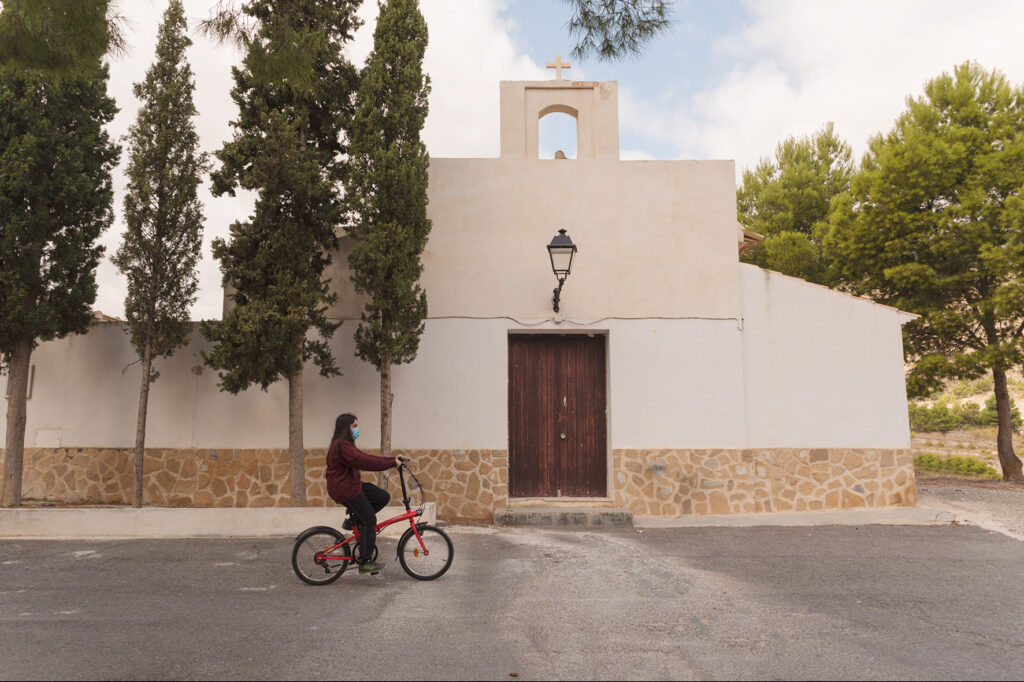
(307, 544)
(357, 553)
(426, 567)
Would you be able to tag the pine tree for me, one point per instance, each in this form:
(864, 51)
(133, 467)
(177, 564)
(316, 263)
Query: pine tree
(59, 38)
(55, 201)
(295, 99)
(161, 246)
(387, 192)
(613, 29)
(788, 200)
(934, 225)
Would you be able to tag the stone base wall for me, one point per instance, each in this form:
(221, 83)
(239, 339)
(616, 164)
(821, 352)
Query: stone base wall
(471, 484)
(172, 477)
(465, 484)
(681, 482)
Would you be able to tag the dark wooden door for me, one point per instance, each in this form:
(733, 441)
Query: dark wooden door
(556, 413)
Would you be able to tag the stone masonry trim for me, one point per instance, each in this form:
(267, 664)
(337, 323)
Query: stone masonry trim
(471, 484)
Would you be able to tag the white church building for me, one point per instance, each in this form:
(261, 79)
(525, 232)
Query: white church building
(673, 379)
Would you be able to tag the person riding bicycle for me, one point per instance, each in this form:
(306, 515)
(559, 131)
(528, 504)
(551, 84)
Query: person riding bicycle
(345, 486)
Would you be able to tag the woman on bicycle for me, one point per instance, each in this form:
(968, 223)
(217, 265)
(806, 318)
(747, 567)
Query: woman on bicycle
(345, 486)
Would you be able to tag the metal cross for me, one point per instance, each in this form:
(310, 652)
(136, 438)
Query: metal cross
(558, 65)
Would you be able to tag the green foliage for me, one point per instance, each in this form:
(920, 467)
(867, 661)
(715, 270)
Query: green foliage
(612, 29)
(286, 42)
(964, 388)
(791, 253)
(936, 418)
(963, 466)
(387, 189)
(932, 226)
(161, 245)
(942, 417)
(969, 412)
(788, 201)
(288, 146)
(990, 416)
(59, 37)
(55, 201)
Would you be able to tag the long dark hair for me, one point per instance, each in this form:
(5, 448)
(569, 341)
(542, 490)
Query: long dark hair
(343, 427)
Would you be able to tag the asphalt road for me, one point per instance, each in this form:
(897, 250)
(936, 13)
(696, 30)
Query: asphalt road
(878, 602)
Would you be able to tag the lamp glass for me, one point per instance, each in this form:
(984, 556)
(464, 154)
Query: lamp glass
(561, 259)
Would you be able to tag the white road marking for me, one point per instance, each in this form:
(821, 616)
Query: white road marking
(256, 589)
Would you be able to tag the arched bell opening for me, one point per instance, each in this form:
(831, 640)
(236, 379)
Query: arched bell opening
(558, 132)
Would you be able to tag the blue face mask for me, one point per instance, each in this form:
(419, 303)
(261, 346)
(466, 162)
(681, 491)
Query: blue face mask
(355, 433)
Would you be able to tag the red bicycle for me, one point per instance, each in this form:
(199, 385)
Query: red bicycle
(321, 554)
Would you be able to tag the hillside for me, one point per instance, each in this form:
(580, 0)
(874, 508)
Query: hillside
(978, 442)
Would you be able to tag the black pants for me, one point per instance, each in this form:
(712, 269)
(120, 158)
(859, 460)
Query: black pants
(364, 508)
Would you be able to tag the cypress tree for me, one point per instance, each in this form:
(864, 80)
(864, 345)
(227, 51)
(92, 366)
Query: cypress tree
(294, 94)
(55, 201)
(387, 192)
(161, 246)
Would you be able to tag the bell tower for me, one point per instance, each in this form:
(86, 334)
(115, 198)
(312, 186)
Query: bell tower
(594, 105)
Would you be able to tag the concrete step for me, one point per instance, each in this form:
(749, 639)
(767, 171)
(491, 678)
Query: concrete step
(563, 516)
(561, 502)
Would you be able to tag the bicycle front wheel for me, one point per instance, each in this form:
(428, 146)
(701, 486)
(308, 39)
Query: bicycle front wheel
(429, 564)
(311, 561)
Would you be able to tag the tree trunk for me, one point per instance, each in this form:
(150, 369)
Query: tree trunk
(17, 409)
(140, 424)
(386, 398)
(296, 455)
(1009, 461)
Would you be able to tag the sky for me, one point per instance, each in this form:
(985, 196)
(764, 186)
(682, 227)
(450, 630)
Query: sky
(729, 80)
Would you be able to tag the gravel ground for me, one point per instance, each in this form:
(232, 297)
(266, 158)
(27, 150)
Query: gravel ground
(990, 504)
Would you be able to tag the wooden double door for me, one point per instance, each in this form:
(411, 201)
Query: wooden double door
(557, 413)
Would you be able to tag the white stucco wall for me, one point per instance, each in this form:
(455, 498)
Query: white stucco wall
(822, 368)
(655, 238)
(810, 368)
(805, 367)
(672, 383)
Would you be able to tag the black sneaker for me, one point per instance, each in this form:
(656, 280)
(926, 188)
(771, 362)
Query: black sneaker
(347, 525)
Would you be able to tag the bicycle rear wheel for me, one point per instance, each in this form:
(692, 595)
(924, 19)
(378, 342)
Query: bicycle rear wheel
(310, 560)
(430, 564)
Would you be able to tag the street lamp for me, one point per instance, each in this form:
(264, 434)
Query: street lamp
(561, 249)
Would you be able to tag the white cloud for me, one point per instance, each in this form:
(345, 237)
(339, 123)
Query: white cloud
(635, 155)
(798, 64)
(470, 50)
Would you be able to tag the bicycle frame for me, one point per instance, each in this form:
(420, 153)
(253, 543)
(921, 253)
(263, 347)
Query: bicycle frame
(409, 515)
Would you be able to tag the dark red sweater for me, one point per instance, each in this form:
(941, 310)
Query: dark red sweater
(344, 460)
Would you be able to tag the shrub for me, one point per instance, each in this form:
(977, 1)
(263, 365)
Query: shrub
(970, 413)
(962, 466)
(937, 418)
(990, 417)
(961, 389)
